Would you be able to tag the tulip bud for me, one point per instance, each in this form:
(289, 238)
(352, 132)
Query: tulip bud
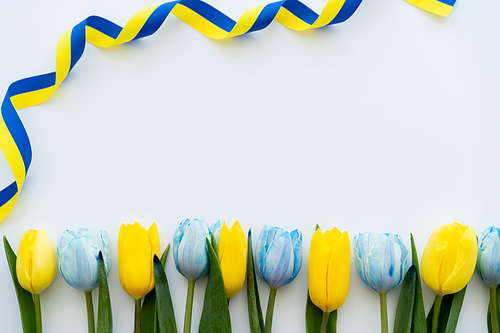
(449, 258)
(329, 269)
(488, 257)
(190, 248)
(278, 255)
(232, 251)
(136, 249)
(448, 262)
(380, 260)
(77, 257)
(36, 261)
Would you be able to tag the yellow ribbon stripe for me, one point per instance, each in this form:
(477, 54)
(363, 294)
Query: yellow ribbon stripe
(442, 8)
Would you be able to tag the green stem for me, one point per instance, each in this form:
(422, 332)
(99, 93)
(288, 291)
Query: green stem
(270, 310)
(90, 311)
(493, 309)
(38, 313)
(137, 319)
(383, 313)
(189, 306)
(324, 322)
(435, 314)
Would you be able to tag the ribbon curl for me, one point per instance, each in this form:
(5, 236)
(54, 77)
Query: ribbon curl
(96, 30)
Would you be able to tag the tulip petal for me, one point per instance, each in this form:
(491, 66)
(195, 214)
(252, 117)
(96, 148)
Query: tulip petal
(154, 243)
(104, 247)
(24, 260)
(224, 231)
(215, 229)
(296, 237)
(121, 239)
(465, 262)
(317, 269)
(338, 269)
(432, 257)
(279, 261)
(66, 237)
(381, 260)
(43, 262)
(453, 235)
(265, 238)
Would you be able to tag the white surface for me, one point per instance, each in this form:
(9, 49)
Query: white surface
(387, 122)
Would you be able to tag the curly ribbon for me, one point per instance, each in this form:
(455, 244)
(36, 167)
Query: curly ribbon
(293, 14)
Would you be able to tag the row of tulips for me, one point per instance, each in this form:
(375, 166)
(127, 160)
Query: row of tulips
(82, 257)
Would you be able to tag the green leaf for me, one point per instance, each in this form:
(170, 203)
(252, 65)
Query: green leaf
(165, 308)
(149, 316)
(215, 314)
(448, 315)
(254, 308)
(164, 255)
(214, 244)
(404, 310)
(148, 313)
(419, 324)
(456, 306)
(314, 316)
(24, 297)
(104, 312)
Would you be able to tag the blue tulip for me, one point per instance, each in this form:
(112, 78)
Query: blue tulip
(488, 257)
(190, 247)
(278, 255)
(77, 257)
(380, 260)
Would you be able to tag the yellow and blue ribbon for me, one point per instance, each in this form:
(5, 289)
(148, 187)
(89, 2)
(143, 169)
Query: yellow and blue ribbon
(209, 21)
(438, 7)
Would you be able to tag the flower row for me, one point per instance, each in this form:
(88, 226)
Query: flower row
(449, 259)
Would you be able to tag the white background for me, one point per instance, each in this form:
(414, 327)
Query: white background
(386, 123)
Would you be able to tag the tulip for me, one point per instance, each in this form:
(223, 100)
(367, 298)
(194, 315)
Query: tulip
(279, 258)
(448, 262)
(36, 267)
(488, 257)
(381, 264)
(449, 258)
(232, 251)
(279, 255)
(77, 254)
(77, 261)
(136, 249)
(380, 260)
(488, 268)
(329, 268)
(191, 257)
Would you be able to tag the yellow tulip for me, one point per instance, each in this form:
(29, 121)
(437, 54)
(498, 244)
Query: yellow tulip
(136, 249)
(36, 261)
(329, 269)
(232, 251)
(449, 258)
